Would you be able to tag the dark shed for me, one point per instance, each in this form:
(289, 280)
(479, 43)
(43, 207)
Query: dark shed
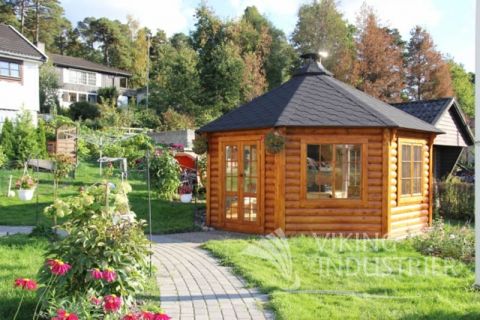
(446, 115)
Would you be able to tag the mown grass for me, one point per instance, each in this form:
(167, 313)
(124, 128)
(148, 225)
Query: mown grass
(21, 257)
(352, 279)
(167, 216)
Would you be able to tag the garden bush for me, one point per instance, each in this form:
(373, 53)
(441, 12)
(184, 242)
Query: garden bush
(83, 110)
(3, 157)
(7, 139)
(165, 174)
(455, 199)
(447, 241)
(101, 264)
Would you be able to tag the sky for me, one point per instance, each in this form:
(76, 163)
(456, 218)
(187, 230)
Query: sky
(451, 23)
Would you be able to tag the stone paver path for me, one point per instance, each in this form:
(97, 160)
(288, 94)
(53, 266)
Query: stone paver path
(194, 286)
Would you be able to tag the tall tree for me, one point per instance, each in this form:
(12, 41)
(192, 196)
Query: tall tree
(463, 87)
(428, 75)
(8, 13)
(48, 83)
(220, 64)
(139, 59)
(321, 27)
(380, 62)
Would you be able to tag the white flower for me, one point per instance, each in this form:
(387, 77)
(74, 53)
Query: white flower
(452, 236)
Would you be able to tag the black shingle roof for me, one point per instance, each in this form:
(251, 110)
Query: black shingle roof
(312, 98)
(14, 43)
(79, 63)
(427, 110)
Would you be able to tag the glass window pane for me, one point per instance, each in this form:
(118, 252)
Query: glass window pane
(4, 65)
(417, 185)
(14, 66)
(250, 209)
(15, 73)
(347, 171)
(82, 97)
(4, 72)
(231, 207)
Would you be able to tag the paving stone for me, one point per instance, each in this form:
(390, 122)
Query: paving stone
(193, 285)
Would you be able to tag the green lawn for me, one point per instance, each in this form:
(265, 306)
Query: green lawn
(167, 217)
(352, 279)
(22, 256)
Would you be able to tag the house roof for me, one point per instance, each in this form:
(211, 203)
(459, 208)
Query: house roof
(432, 111)
(14, 43)
(80, 63)
(313, 98)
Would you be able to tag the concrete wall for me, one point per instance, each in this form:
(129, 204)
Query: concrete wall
(184, 137)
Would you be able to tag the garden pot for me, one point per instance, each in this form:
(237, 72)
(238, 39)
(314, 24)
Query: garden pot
(186, 198)
(26, 194)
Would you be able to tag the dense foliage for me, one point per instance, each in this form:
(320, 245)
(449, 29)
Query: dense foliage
(83, 110)
(455, 200)
(447, 241)
(165, 174)
(103, 236)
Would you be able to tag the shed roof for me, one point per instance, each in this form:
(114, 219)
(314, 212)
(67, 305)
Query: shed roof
(14, 43)
(431, 111)
(80, 63)
(313, 98)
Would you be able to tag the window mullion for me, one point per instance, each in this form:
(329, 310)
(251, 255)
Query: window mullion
(334, 168)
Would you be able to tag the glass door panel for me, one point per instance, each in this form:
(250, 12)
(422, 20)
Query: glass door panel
(231, 182)
(250, 176)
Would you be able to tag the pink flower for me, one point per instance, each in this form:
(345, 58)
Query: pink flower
(58, 267)
(147, 315)
(161, 316)
(64, 315)
(131, 316)
(112, 303)
(96, 273)
(109, 275)
(26, 284)
(96, 301)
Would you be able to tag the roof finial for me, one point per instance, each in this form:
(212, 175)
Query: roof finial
(312, 64)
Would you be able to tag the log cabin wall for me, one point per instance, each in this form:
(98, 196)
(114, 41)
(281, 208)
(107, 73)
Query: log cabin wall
(409, 214)
(339, 218)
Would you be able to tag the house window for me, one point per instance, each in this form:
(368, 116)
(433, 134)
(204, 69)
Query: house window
(82, 97)
(92, 98)
(123, 82)
(82, 77)
(333, 171)
(10, 69)
(411, 169)
(72, 97)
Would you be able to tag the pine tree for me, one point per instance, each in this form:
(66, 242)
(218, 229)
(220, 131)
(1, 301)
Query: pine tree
(428, 75)
(26, 138)
(139, 59)
(380, 61)
(7, 139)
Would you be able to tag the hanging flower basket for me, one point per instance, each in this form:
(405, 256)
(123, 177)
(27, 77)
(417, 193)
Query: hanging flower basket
(26, 187)
(274, 142)
(26, 194)
(200, 145)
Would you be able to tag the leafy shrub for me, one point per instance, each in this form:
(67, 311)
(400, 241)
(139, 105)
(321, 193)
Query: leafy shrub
(455, 199)
(172, 120)
(146, 118)
(109, 94)
(26, 139)
(447, 241)
(7, 139)
(3, 157)
(103, 237)
(165, 174)
(83, 110)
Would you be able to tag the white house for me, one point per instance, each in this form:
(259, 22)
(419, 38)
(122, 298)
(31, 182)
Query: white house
(20, 61)
(80, 79)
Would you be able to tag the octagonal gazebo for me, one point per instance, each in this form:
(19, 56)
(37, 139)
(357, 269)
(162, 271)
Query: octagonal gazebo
(351, 164)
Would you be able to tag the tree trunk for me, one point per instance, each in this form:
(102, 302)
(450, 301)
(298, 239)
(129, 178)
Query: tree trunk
(22, 15)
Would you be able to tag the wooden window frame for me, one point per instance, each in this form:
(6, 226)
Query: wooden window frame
(412, 197)
(20, 70)
(338, 202)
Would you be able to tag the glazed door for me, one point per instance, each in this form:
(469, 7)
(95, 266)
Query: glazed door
(242, 181)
